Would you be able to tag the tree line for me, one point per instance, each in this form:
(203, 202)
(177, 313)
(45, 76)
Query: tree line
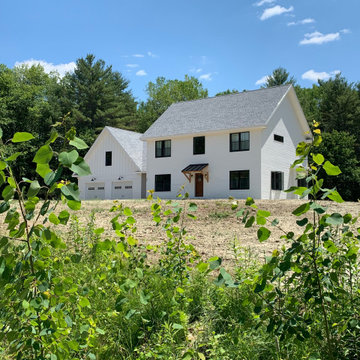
(95, 95)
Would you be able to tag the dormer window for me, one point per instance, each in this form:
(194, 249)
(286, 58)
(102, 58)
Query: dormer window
(108, 158)
(278, 138)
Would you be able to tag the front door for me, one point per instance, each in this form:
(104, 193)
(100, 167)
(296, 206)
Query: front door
(199, 185)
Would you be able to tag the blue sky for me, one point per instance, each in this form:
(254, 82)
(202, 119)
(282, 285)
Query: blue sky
(229, 44)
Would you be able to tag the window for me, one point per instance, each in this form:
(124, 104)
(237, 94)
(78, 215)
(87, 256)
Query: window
(277, 180)
(302, 183)
(91, 188)
(128, 187)
(240, 180)
(163, 182)
(199, 145)
(117, 187)
(163, 148)
(101, 188)
(278, 138)
(240, 141)
(108, 158)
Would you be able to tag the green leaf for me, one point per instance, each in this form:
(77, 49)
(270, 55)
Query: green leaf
(1, 133)
(43, 155)
(8, 193)
(202, 266)
(302, 209)
(263, 213)
(74, 205)
(80, 167)
(68, 158)
(3, 165)
(177, 326)
(318, 159)
(53, 136)
(301, 148)
(192, 207)
(335, 196)
(78, 143)
(250, 222)
(71, 191)
(249, 201)
(127, 211)
(64, 217)
(68, 321)
(4, 206)
(331, 169)
(54, 219)
(33, 189)
(84, 302)
(100, 331)
(43, 169)
(263, 234)
(22, 137)
(13, 157)
(51, 177)
(335, 219)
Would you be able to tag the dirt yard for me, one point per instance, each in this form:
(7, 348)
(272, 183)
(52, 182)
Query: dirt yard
(216, 228)
(214, 232)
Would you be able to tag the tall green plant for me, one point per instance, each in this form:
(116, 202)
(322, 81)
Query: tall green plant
(309, 290)
(42, 312)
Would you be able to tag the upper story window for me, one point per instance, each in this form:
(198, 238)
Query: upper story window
(278, 138)
(277, 180)
(199, 145)
(240, 141)
(163, 148)
(108, 158)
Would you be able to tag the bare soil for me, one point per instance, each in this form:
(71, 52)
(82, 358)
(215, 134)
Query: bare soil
(217, 228)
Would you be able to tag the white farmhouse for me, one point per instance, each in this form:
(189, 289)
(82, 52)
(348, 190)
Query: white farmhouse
(236, 145)
(117, 163)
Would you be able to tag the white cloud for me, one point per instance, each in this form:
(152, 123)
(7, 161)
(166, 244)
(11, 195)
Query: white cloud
(301, 22)
(263, 2)
(276, 10)
(132, 65)
(195, 70)
(138, 55)
(262, 80)
(61, 69)
(315, 76)
(318, 38)
(141, 73)
(345, 31)
(206, 77)
(152, 54)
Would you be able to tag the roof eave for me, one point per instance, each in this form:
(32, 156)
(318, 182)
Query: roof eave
(211, 132)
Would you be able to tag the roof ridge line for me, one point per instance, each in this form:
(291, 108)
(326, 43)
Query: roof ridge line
(235, 94)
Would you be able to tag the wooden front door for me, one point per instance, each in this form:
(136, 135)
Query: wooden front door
(199, 185)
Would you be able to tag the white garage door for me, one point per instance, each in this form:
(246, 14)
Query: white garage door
(122, 190)
(95, 191)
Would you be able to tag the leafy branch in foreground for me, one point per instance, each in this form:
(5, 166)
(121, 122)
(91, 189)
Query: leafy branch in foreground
(310, 289)
(41, 311)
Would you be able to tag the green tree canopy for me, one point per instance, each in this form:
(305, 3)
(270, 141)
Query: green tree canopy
(339, 148)
(227, 92)
(279, 77)
(163, 93)
(97, 96)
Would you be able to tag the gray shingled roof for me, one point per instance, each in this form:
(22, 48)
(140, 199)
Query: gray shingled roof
(244, 110)
(131, 143)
